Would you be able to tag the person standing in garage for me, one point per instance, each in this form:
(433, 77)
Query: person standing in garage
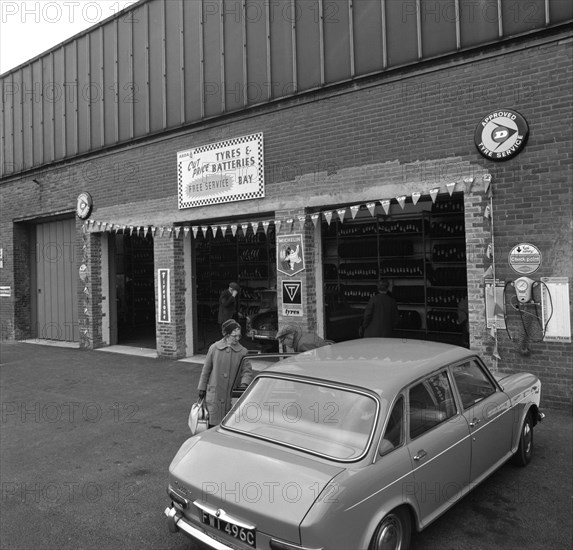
(228, 303)
(380, 315)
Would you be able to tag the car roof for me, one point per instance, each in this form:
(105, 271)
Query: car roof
(384, 365)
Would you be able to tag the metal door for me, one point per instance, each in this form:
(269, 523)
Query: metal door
(56, 281)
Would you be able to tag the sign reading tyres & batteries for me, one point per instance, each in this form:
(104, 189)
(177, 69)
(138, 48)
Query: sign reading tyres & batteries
(292, 298)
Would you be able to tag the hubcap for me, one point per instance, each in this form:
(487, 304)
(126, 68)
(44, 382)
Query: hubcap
(391, 534)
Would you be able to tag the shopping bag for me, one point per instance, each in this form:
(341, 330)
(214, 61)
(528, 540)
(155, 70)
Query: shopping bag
(198, 417)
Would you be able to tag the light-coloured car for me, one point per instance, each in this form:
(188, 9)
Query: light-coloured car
(350, 446)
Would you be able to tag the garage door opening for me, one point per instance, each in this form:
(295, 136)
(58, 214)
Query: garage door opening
(135, 291)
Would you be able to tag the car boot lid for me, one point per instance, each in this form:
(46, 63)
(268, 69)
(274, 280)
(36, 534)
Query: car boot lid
(263, 484)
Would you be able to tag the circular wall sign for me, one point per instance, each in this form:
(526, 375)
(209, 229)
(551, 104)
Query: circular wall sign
(84, 205)
(501, 134)
(524, 258)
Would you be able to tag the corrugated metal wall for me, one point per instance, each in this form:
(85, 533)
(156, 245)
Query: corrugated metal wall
(162, 64)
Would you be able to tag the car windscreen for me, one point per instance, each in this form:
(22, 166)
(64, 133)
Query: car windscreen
(333, 421)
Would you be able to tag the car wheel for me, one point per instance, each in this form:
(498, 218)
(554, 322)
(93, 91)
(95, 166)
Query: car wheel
(522, 456)
(394, 532)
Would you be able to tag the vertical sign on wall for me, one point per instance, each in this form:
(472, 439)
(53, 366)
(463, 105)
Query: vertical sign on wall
(555, 308)
(164, 303)
(290, 254)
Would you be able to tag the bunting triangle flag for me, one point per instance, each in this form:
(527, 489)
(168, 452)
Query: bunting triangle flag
(328, 216)
(314, 218)
(489, 251)
(145, 230)
(451, 187)
(266, 226)
(401, 201)
(185, 231)
(416, 197)
(354, 210)
(278, 224)
(434, 193)
(131, 229)
(496, 350)
(195, 231)
(177, 230)
(205, 228)
(234, 229)
(371, 207)
(386, 206)
(487, 181)
(341, 213)
(302, 221)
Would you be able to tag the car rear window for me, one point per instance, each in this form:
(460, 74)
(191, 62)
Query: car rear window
(332, 421)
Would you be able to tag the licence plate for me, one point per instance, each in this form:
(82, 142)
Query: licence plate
(247, 536)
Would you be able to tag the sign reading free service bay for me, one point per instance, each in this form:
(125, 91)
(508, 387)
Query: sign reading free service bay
(226, 171)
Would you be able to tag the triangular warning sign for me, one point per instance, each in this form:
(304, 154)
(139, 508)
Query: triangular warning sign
(292, 289)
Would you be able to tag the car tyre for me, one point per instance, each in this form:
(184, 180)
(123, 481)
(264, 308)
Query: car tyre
(522, 456)
(394, 531)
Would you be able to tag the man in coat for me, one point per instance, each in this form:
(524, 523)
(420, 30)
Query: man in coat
(228, 303)
(220, 370)
(380, 315)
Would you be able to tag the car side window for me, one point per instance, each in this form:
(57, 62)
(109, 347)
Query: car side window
(430, 403)
(393, 436)
(472, 382)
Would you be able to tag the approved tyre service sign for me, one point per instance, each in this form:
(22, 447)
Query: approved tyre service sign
(501, 135)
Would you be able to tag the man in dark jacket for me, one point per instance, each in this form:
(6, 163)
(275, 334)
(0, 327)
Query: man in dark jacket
(228, 303)
(380, 315)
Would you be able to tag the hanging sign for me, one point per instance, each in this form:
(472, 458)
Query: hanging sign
(501, 134)
(164, 296)
(226, 171)
(290, 254)
(292, 298)
(524, 258)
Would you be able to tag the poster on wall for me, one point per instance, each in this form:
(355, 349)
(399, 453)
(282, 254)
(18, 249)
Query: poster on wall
(290, 254)
(292, 298)
(556, 312)
(495, 304)
(225, 171)
(163, 294)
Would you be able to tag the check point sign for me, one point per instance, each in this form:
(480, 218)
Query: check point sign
(524, 258)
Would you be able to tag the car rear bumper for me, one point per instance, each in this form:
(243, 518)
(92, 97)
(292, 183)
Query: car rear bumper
(178, 523)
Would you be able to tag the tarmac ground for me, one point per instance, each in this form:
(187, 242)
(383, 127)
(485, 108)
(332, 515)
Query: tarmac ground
(86, 438)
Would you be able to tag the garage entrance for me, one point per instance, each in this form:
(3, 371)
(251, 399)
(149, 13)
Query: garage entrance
(134, 291)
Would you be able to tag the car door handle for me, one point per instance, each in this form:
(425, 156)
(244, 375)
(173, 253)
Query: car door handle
(475, 422)
(421, 454)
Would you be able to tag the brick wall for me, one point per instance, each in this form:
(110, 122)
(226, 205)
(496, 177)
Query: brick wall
(409, 130)
(168, 254)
